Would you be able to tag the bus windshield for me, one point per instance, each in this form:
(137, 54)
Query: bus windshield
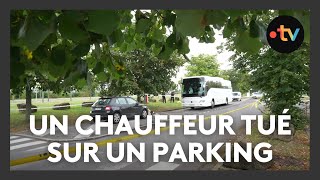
(193, 87)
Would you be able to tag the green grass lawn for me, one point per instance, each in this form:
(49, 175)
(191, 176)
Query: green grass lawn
(18, 122)
(159, 106)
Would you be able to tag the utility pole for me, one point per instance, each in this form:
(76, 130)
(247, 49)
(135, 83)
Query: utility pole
(70, 94)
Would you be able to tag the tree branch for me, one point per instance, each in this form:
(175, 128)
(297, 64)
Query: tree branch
(186, 57)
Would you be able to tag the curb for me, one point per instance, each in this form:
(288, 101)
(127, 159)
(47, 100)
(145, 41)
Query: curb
(58, 140)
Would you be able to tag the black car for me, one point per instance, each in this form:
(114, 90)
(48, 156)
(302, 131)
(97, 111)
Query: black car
(118, 106)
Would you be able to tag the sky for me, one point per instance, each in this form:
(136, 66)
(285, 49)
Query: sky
(197, 48)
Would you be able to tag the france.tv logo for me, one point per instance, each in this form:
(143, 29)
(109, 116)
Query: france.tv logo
(285, 34)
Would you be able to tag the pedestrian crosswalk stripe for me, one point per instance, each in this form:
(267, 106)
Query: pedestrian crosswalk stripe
(26, 145)
(13, 137)
(163, 166)
(19, 140)
(83, 136)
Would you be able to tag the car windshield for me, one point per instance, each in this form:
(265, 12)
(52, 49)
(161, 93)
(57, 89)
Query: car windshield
(102, 102)
(235, 94)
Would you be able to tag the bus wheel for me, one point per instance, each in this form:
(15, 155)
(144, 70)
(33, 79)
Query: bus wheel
(212, 104)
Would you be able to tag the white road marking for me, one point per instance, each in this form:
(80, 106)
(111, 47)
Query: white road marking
(163, 166)
(83, 136)
(14, 137)
(37, 148)
(19, 140)
(26, 145)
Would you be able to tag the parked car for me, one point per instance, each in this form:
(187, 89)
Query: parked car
(236, 96)
(257, 95)
(118, 106)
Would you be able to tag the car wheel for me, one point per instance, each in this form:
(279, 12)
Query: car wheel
(116, 118)
(93, 120)
(144, 114)
(192, 107)
(212, 104)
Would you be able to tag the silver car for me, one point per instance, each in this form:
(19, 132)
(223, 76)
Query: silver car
(257, 95)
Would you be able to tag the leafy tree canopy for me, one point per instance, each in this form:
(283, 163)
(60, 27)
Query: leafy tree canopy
(145, 73)
(53, 42)
(203, 65)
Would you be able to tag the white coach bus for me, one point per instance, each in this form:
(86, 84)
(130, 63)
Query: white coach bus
(205, 91)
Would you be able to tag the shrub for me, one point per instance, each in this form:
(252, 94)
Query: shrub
(298, 119)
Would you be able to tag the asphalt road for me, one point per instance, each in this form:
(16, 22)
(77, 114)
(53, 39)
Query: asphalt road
(24, 148)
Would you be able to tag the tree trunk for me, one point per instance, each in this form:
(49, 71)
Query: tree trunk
(139, 98)
(42, 95)
(71, 94)
(90, 94)
(48, 94)
(28, 101)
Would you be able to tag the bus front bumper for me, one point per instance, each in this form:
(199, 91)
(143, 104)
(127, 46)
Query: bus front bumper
(196, 104)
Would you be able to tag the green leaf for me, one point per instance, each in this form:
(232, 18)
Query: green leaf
(227, 32)
(14, 54)
(91, 62)
(117, 36)
(157, 34)
(103, 21)
(245, 43)
(35, 30)
(238, 25)
(171, 41)
(169, 18)
(304, 18)
(286, 12)
(217, 18)
(254, 29)
(190, 22)
(81, 50)
(99, 68)
(156, 49)
(149, 43)
(81, 83)
(58, 55)
(51, 39)
(183, 46)
(72, 78)
(41, 53)
(143, 25)
(123, 47)
(234, 14)
(69, 26)
(165, 52)
(102, 76)
(17, 68)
